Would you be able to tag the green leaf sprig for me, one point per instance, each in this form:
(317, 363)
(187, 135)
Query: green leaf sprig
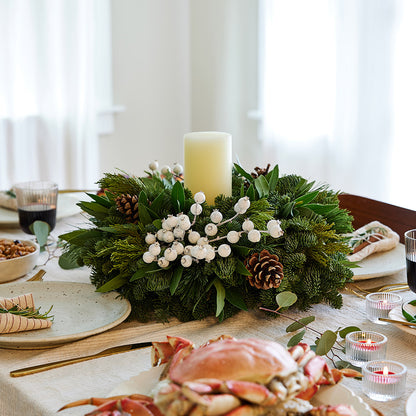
(28, 312)
(326, 343)
(407, 315)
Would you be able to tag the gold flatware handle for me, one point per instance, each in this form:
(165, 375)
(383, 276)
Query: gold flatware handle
(49, 366)
(394, 321)
(70, 191)
(38, 276)
(385, 288)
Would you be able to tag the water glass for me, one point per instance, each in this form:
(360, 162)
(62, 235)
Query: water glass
(36, 201)
(410, 244)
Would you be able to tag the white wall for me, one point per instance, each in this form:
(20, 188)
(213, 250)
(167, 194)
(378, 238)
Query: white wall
(151, 79)
(180, 66)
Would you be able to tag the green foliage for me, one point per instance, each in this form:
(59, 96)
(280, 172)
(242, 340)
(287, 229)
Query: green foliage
(311, 250)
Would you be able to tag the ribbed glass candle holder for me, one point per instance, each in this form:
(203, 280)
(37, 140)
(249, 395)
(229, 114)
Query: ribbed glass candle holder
(384, 380)
(364, 346)
(378, 305)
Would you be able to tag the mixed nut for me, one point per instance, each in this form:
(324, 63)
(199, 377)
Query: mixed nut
(10, 249)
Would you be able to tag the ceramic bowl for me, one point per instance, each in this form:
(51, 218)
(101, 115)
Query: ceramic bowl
(11, 269)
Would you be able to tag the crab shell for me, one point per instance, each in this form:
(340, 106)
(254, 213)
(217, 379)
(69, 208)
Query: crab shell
(234, 359)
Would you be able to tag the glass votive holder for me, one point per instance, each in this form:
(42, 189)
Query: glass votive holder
(364, 346)
(384, 380)
(378, 305)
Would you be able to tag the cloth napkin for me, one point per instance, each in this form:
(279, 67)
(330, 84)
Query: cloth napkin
(7, 201)
(10, 322)
(383, 240)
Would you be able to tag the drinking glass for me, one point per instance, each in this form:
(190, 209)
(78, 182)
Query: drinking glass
(410, 243)
(36, 201)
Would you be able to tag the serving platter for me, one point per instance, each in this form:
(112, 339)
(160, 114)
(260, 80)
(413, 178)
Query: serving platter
(79, 311)
(338, 394)
(381, 264)
(66, 207)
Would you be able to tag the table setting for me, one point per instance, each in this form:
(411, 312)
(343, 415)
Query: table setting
(154, 277)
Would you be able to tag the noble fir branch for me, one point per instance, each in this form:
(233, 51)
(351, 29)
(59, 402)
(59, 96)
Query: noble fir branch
(121, 183)
(126, 254)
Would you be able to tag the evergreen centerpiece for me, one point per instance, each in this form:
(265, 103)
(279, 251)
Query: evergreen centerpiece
(173, 255)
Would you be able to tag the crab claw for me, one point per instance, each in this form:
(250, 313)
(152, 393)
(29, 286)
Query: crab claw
(163, 351)
(98, 401)
(126, 405)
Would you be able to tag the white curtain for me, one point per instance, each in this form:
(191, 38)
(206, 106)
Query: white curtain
(337, 94)
(48, 90)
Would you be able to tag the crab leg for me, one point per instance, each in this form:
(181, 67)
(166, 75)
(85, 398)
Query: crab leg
(98, 401)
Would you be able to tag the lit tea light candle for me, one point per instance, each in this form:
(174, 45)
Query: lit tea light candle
(364, 346)
(384, 380)
(367, 345)
(378, 305)
(208, 164)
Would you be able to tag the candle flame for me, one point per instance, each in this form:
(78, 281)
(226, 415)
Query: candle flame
(384, 301)
(385, 371)
(368, 341)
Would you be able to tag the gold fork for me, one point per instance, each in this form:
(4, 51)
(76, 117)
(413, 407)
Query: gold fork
(392, 287)
(37, 277)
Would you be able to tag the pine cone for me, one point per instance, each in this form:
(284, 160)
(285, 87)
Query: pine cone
(129, 206)
(260, 171)
(266, 270)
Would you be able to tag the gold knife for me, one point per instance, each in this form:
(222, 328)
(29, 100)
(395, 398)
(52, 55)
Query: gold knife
(394, 321)
(109, 351)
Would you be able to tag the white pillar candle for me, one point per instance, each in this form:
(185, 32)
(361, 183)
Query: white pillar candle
(208, 163)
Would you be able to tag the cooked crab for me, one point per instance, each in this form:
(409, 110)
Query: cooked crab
(235, 377)
(231, 377)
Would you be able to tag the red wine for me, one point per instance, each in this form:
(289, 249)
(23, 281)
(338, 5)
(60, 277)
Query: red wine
(37, 212)
(411, 274)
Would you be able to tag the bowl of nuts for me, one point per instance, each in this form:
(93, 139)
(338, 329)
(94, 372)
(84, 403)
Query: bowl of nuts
(17, 258)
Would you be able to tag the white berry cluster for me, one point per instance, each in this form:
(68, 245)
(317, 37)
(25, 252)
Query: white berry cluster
(170, 241)
(165, 170)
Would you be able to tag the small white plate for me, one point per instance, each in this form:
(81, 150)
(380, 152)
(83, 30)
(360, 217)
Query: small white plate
(381, 264)
(79, 311)
(12, 269)
(397, 315)
(411, 405)
(66, 206)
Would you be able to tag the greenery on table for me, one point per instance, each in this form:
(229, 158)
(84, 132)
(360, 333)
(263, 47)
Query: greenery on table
(311, 250)
(326, 343)
(409, 317)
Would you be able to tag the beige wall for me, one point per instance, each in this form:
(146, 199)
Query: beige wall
(179, 66)
(151, 80)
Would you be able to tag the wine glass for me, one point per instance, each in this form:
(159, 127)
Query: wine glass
(36, 201)
(410, 244)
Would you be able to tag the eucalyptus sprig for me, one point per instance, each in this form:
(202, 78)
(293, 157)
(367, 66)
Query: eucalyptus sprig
(326, 343)
(28, 312)
(41, 229)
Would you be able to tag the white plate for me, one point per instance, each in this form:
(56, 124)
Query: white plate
(338, 394)
(79, 311)
(381, 264)
(396, 314)
(66, 207)
(411, 405)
